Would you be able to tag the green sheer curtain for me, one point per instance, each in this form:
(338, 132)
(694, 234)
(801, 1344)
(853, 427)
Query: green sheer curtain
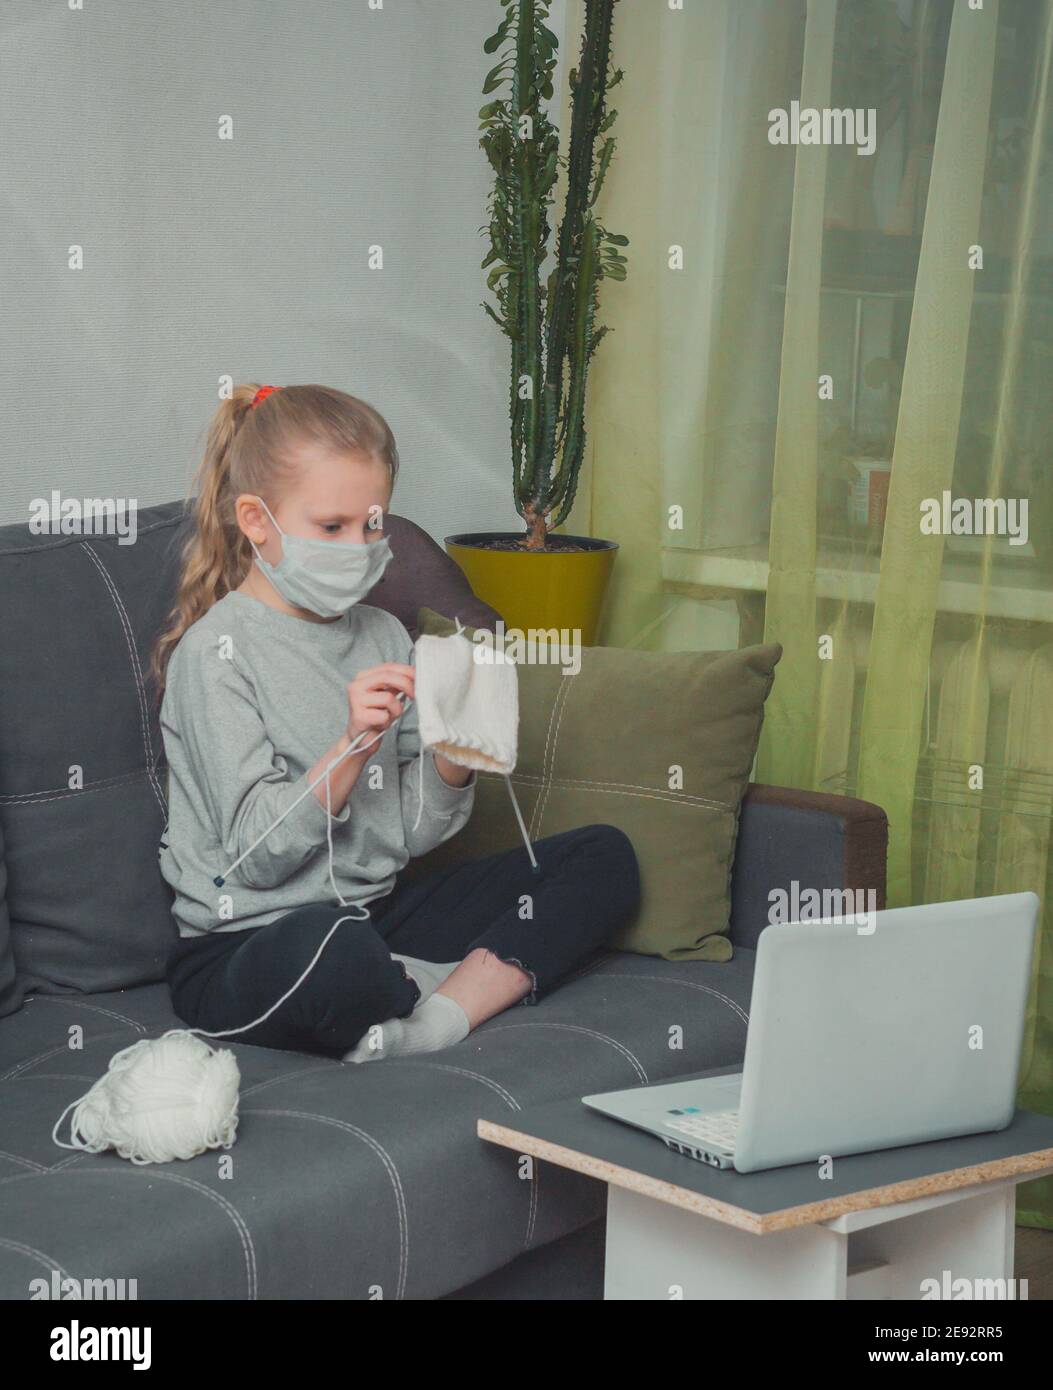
(818, 351)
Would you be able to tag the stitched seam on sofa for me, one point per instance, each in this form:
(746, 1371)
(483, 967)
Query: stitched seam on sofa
(385, 1158)
(560, 689)
(137, 672)
(82, 1004)
(45, 1260)
(152, 1170)
(44, 547)
(48, 1076)
(240, 1225)
(528, 777)
(677, 798)
(54, 794)
(67, 1162)
(686, 984)
(494, 1086)
(627, 790)
(484, 1032)
(23, 1177)
(17, 1071)
(29, 1162)
(548, 763)
(609, 958)
(288, 1076)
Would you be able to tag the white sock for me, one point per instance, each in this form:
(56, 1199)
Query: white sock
(435, 1023)
(428, 975)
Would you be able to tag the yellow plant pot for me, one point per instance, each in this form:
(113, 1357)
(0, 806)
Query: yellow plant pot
(540, 589)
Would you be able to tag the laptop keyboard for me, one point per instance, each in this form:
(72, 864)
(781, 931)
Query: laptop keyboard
(716, 1127)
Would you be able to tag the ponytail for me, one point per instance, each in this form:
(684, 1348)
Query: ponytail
(213, 558)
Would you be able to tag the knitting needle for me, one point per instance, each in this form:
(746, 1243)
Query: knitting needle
(522, 827)
(221, 879)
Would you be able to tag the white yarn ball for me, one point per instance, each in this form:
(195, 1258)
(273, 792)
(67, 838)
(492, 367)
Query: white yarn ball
(160, 1099)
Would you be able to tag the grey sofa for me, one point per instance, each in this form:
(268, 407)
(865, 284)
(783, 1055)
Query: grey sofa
(345, 1182)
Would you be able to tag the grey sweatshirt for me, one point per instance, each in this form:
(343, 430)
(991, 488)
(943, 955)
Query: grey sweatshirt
(253, 699)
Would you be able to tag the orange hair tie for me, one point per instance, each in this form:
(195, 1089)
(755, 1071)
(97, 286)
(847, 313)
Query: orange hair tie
(262, 394)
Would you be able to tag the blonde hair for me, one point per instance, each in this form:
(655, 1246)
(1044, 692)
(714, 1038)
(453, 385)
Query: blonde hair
(252, 451)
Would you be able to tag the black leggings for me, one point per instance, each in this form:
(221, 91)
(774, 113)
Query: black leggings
(588, 887)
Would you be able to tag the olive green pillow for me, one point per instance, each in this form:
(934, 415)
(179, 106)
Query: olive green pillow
(660, 744)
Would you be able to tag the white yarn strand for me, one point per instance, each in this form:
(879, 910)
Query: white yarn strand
(420, 786)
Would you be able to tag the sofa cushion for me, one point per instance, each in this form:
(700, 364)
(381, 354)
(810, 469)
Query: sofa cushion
(82, 781)
(421, 572)
(82, 794)
(660, 744)
(330, 1193)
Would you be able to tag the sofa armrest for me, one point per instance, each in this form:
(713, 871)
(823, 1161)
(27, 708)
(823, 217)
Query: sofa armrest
(812, 838)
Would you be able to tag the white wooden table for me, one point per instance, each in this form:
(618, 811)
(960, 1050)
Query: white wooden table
(877, 1228)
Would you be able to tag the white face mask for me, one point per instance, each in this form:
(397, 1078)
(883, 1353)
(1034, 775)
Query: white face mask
(325, 577)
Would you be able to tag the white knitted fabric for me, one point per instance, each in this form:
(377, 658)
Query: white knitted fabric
(468, 708)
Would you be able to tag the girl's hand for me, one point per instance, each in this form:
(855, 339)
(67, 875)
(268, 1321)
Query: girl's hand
(372, 697)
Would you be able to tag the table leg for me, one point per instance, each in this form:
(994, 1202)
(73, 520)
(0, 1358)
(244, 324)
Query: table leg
(969, 1238)
(658, 1251)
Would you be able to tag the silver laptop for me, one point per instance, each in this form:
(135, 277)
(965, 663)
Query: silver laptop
(860, 1037)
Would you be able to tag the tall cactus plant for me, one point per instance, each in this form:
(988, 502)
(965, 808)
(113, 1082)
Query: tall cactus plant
(552, 328)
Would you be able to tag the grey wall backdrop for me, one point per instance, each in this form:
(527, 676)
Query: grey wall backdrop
(353, 127)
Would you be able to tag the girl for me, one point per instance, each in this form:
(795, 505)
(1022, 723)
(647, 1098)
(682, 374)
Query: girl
(271, 667)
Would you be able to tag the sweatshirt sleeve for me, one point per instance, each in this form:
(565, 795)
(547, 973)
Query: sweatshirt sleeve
(217, 744)
(446, 809)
